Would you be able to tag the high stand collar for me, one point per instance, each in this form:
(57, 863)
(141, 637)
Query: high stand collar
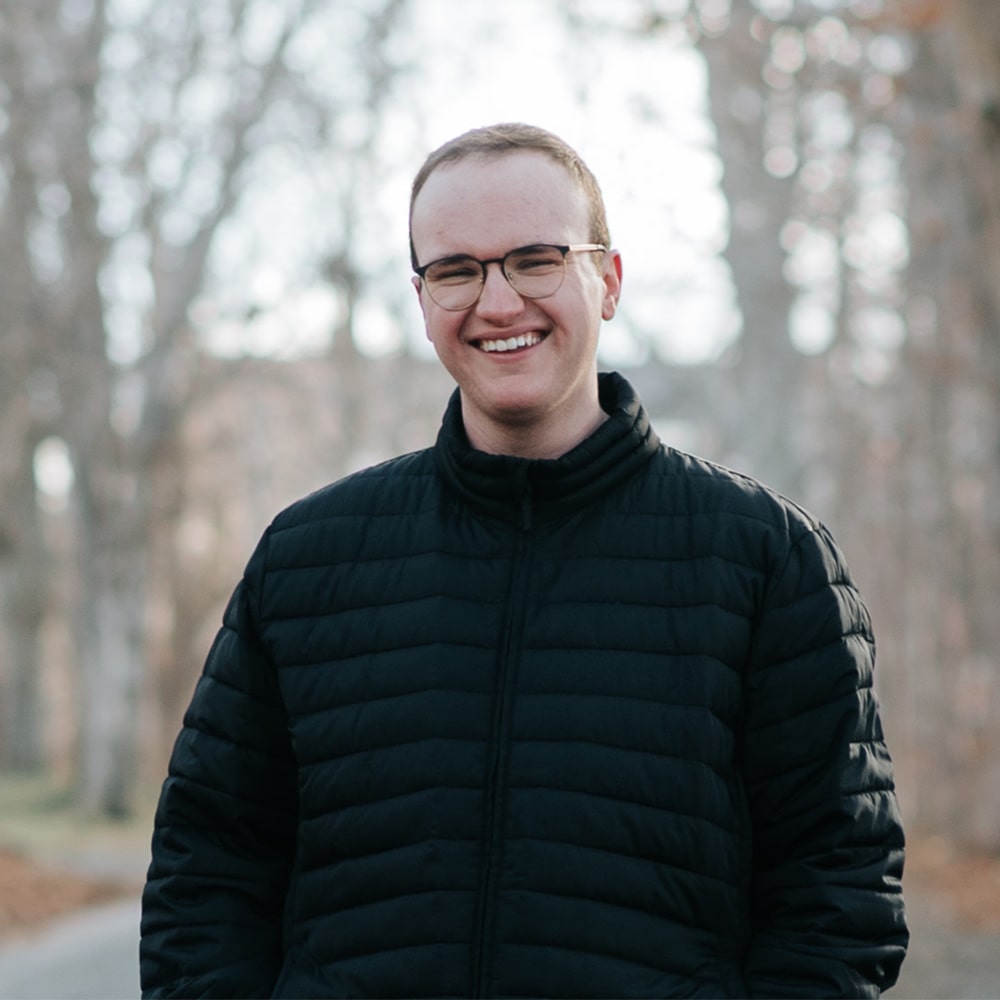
(499, 484)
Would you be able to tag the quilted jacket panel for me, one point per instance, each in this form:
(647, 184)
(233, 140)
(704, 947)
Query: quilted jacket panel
(478, 726)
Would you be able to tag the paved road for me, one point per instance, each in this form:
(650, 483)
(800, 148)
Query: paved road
(94, 956)
(944, 961)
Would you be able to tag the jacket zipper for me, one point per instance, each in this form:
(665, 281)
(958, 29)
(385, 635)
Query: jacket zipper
(499, 747)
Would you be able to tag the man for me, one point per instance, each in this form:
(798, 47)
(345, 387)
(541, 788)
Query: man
(544, 710)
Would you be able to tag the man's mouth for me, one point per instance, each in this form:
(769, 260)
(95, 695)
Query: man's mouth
(510, 344)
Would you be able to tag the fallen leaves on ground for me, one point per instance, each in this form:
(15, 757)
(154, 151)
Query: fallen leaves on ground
(32, 894)
(968, 885)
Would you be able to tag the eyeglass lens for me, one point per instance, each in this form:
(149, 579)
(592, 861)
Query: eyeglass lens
(534, 272)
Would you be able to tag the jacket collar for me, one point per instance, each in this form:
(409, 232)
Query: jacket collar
(502, 485)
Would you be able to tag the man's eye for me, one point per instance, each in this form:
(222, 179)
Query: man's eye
(535, 263)
(455, 272)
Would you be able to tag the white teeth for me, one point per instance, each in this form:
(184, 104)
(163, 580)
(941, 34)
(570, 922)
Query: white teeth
(511, 344)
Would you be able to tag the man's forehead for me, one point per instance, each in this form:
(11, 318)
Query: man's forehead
(524, 194)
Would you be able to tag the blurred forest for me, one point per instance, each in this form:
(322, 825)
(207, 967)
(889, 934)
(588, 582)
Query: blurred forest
(204, 285)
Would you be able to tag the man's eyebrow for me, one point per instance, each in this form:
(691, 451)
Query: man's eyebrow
(453, 256)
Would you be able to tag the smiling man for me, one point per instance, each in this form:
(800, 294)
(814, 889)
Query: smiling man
(547, 709)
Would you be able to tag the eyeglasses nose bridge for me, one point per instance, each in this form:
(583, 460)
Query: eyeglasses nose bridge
(501, 267)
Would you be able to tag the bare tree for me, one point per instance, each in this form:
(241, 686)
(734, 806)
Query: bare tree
(859, 143)
(140, 126)
(945, 481)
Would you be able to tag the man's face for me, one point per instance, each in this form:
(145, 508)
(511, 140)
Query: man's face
(546, 390)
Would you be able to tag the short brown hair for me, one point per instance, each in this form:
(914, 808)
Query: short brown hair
(494, 141)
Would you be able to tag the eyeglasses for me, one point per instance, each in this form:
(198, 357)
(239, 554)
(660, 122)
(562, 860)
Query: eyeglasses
(535, 272)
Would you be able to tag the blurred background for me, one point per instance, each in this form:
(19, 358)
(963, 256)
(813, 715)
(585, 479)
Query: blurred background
(206, 311)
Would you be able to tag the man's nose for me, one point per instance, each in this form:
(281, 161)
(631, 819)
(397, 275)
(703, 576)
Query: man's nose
(498, 295)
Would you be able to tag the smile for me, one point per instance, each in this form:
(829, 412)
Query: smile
(511, 344)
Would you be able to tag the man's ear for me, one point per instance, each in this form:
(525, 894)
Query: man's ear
(418, 287)
(612, 283)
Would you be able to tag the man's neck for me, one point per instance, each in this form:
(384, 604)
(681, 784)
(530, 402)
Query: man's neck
(528, 440)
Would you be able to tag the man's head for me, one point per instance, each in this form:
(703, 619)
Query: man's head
(513, 284)
(495, 141)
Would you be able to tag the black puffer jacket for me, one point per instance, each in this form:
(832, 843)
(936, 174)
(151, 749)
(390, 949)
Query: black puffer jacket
(483, 726)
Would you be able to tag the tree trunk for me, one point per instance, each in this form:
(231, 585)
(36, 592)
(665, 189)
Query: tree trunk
(758, 410)
(112, 652)
(24, 593)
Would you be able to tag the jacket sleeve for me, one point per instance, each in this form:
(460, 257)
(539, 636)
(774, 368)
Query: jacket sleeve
(827, 909)
(224, 829)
